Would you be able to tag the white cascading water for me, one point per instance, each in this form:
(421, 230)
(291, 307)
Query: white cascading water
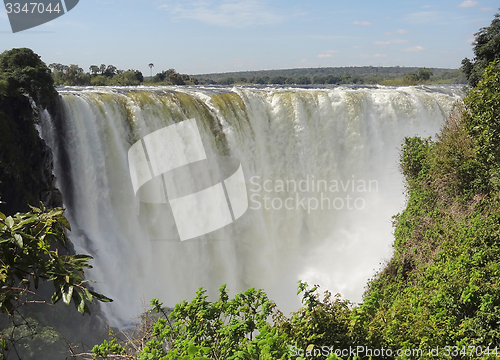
(321, 168)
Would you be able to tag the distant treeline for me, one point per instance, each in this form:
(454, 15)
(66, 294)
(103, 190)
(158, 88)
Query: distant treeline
(395, 75)
(109, 75)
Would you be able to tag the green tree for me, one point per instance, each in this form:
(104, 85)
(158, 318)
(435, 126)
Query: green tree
(58, 71)
(319, 79)
(486, 49)
(94, 69)
(99, 80)
(411, 79)
(226, 81)
(165, 76)
(234, 328)
(320, 322)
(57, 66)
(110, 71)
(23, 72)
(303, 80)
(151, 66)
(332, 79)
(424, 74)
(279, 80)
(75, 75)
(177, 79)
(129, 77)
(138, 75)
(259, 81)
(30, 246)
(28, 255)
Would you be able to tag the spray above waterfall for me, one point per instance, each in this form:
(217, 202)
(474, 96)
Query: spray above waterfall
(320, 167)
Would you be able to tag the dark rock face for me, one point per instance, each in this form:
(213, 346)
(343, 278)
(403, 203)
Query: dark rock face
(51, 196)
(26, 165)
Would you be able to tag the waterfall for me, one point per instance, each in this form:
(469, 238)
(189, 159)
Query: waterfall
(321, 173)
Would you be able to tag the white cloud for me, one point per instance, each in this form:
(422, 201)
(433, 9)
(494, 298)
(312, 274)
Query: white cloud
(365, 23)
(414, 49)
(325, 55)
(392, 41)
(486, 9)
(399, 31)
(468, 3)
(231, 13)
(379, 55)
(357, 47)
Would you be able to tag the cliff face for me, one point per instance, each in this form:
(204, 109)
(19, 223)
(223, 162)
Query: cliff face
(26, 177)
(25, 160)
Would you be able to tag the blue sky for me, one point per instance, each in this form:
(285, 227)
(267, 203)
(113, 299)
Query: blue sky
(203, 36)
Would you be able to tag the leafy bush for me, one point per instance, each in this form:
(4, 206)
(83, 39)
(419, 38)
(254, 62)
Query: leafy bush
(28, 256)
(234, 328)
(413, 157)
(482, 121)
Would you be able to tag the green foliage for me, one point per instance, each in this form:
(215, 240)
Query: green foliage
(99, 80)
(486, 50)
(171, 77)
(413, 157)
(75, 75)
(127, 78)
(456, 170)
(319, 323)
(29, 335)
(109, 75)
(69, 75)
(234, 328)
(223, 329)
(22, 72)
(424, 74)
(303, 80)
(27, 256)
(240, 328)
(482, 120)
(30, 260)
(108, 348)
